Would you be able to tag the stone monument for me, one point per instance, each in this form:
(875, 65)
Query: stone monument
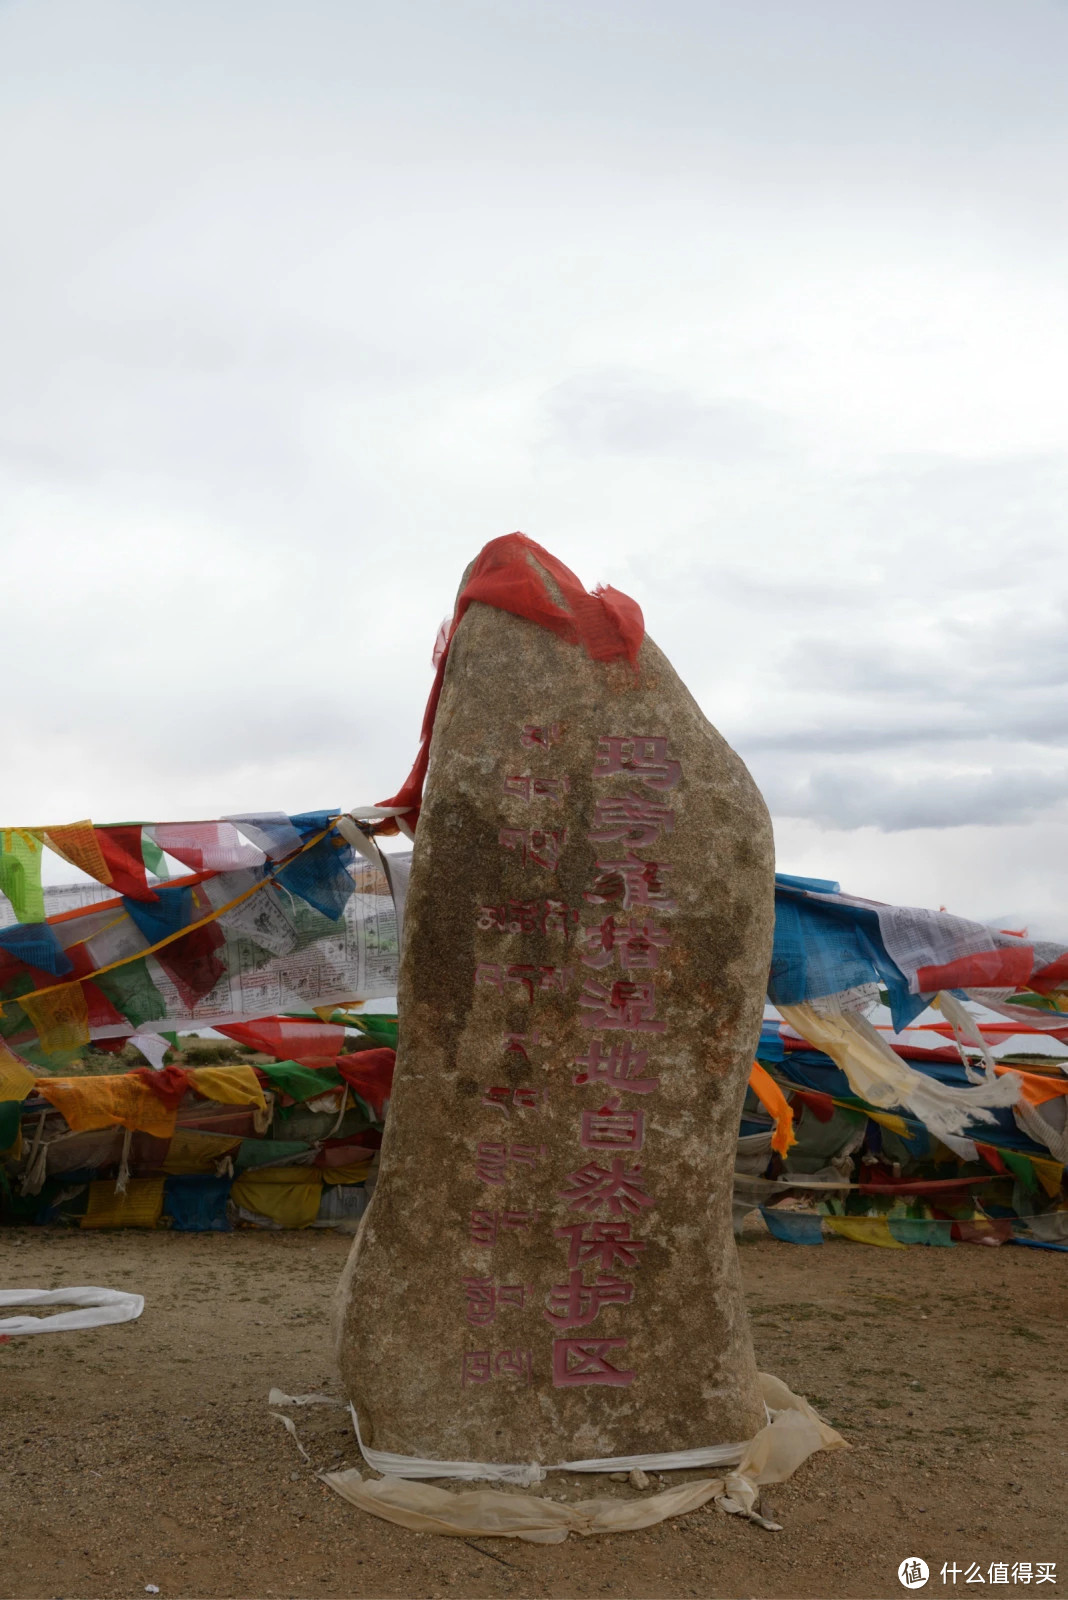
(547, 1270)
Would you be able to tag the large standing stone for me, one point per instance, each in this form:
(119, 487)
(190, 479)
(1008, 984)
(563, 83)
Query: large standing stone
(547, 1271)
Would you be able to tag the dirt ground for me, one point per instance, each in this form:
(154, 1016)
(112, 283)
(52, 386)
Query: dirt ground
(145, 1453)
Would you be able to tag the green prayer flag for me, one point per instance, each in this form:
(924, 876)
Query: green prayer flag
(50, 1061)
(1022, 1170)
(131, 991)
(921, 1230)
(153, 856)
(14, 1019)
(255, 1153)
(20, 873)
(382, 1029)
(300, 1083)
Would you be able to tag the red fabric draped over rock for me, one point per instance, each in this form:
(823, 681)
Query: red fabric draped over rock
(608, 624)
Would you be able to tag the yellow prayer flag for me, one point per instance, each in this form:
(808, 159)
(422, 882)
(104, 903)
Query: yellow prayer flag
(1050, 1174)
(865, 1230)
(60, 1015)
(191, 1151)
(77, 843)
(16, 1079)
(229, 1086)
(140, 1207)
(356, 1172)
(896, 1125)
(289, 1196)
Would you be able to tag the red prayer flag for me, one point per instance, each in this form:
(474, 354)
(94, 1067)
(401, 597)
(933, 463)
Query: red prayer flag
(121, 849)
(312, 1044)
(191, 963)
(370, 1073)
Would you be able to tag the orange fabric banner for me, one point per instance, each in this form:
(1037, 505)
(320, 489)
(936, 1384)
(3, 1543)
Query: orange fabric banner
(103, 1102)
(776, 1104)
(1035, 1087)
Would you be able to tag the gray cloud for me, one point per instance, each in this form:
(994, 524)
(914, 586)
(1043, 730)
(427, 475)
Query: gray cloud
(844, 798)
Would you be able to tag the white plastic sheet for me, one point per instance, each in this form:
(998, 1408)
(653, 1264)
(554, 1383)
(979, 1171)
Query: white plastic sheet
(793, 1433)
(528, 1474)
(98, 1306)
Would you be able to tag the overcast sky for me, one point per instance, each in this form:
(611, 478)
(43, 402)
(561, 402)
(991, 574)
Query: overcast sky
(758, 311)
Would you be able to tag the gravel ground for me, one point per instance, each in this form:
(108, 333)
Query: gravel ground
(145, 1453)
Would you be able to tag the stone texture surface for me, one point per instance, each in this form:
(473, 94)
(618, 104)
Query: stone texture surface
(464, 1333)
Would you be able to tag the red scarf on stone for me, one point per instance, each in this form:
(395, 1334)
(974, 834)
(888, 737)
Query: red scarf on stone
(607, 623)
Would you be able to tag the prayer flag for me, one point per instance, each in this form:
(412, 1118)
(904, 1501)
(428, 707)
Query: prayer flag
(20, 873)
(60, 1016)
(121, 849)
(77, 843)
(131, 991)
(35, 944)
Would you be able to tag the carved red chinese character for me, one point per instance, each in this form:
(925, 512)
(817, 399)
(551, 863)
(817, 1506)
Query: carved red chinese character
(635, 947)
(603, 1242)
(633, 819)
(631, 882)
(639, 756)
(620, 1064)
(620, 1005)
(618, 1187)
(584, 1361)
(575, 1304)
(612, 1129)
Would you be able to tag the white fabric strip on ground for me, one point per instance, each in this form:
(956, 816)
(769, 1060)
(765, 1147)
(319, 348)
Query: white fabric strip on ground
(99, 1306)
